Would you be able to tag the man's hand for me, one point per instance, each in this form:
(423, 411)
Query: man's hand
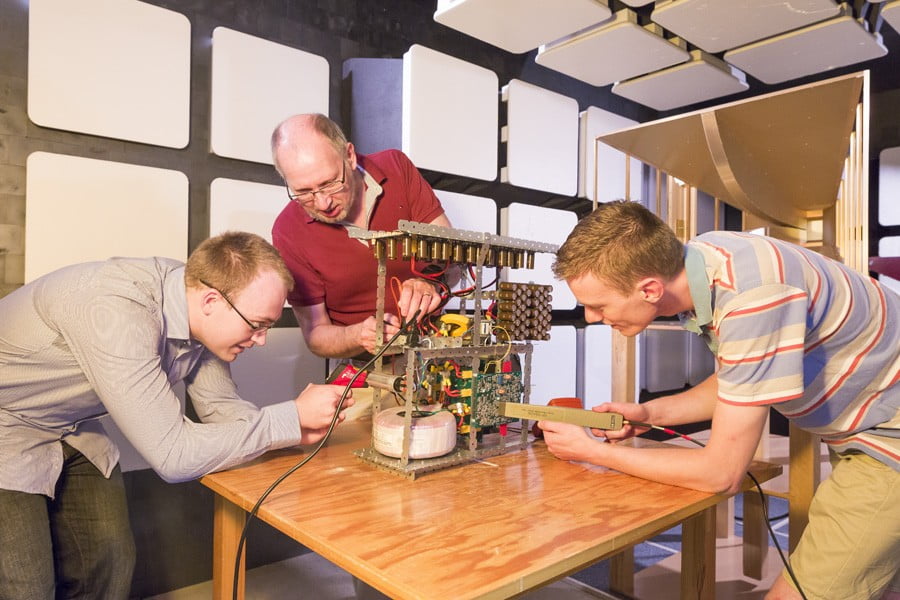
(569, 442)
(366, 331)
(418, 295)
(637, 413)
(316, 406)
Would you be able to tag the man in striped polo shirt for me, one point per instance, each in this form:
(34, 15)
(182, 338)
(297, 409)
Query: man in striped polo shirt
(791, 330)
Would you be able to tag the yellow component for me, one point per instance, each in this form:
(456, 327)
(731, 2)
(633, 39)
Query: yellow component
(458, 325)
(467, 374)
(465, 392)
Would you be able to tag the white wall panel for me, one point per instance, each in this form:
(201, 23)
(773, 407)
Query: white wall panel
(889, 186)
(600, 163)
(116, 68)
(598, 371)
(472, 213)
(82, 209)
(553, 366)
(541, 136)
(889, 246)
(255, 85)
(549, 225)
(244, 206)
(449, 114)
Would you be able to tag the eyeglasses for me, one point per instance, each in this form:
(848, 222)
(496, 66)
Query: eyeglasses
(254, 327)
(330, 188)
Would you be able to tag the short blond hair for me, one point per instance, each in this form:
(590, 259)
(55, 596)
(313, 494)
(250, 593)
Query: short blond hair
(230, 261)
(620, 243)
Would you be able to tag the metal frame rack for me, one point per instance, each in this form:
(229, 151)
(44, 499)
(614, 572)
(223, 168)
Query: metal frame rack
(478, 250)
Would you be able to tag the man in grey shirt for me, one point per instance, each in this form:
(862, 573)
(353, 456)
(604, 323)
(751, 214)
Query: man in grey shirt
(113, 337)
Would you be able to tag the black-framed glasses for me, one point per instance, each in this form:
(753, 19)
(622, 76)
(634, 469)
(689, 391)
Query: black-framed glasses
(332, 187)
(254, 327)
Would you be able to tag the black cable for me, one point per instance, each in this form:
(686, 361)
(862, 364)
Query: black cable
(784, 560)
(290, 471)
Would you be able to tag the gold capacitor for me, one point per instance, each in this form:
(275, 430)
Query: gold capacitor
(406, 248)
(390, 248)
(436, 249)
(379, 249)
(530, 260)
(445, 251)
(471, 254)
(459, 253)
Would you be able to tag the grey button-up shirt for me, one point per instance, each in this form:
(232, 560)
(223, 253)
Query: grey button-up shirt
(112, 337)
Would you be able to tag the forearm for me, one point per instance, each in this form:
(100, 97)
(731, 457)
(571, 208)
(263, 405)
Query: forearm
(691, 406)
(334, 341)
(692, 468)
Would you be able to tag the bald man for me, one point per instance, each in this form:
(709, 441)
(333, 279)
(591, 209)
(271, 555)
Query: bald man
(332, 191)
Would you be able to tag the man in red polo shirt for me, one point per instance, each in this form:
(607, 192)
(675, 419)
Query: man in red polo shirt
(332, 190)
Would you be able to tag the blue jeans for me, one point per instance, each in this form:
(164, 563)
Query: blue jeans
(77, 545)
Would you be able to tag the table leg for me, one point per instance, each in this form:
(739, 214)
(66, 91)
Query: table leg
(228, 522)
(621, 572)
(756, 543)
(698, 556)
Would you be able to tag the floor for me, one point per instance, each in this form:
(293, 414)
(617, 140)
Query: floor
(657, 566)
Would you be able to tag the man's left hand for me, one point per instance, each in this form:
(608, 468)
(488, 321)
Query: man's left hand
(418, 295)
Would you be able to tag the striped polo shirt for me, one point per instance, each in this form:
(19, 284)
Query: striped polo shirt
(805, 334)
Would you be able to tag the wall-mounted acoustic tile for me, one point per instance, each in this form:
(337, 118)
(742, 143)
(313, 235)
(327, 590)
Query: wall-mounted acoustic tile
(255, 85)
(827, 45)
(553, 366)
(598, 371)
(373, 103)
(472, 213)
(115, 69)
(724, 24)
(541, 135)
(612, 51)
(548, 225)
(520, 25)
(601, 168)
(704, 77)
(889, 246)
(450, 114)
(889, 186)
(82, 209)
(244, 206)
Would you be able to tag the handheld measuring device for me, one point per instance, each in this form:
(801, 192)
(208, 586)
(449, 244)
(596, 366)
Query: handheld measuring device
(562, 414)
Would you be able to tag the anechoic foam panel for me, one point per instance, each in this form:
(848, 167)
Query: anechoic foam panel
(541, 135)
(889, 186)
(81, 209)
(519, 25)
(118, 69)
(601, 168)
(549, 225)
(472, 213)
(553, 365)
(255, 85)
(889, 246)
(449, 114)
(244, 206)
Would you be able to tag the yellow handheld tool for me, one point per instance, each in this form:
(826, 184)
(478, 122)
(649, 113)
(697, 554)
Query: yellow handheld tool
(575, 416)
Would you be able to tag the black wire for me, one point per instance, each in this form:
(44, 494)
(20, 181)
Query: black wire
(784, 560)
(290, 471)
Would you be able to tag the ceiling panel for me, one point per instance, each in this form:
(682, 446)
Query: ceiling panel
(891, 13)
(520, 25)
(821, 47)
(702, 78)
(613, 51)
(725, 24)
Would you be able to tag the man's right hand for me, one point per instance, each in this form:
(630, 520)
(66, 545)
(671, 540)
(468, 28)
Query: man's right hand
(631, 411)
(316, 406)
(367, 330)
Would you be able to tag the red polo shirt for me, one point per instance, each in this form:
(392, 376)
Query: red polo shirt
(331, 267)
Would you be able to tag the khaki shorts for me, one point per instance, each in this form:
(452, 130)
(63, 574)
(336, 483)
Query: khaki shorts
(851, 547)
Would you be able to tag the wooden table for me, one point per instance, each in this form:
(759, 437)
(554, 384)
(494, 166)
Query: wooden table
(492, 529)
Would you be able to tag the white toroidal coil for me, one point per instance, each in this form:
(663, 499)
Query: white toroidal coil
(432, 435)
